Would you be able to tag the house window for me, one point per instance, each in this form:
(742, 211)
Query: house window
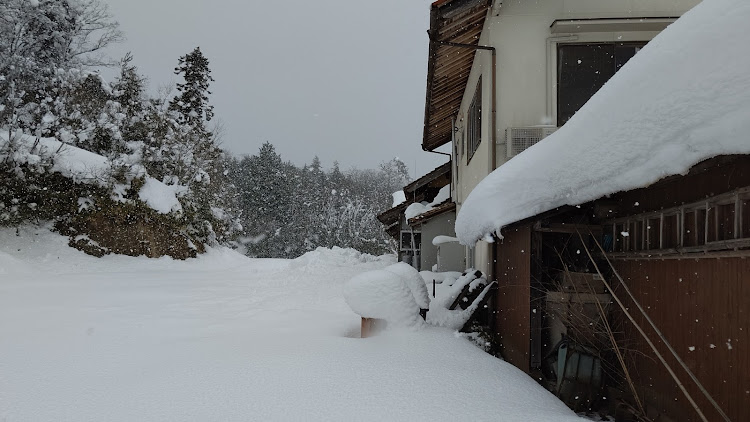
(411, 241)
(474, 122)
(718, 223)
(670, 231)
(584, 68)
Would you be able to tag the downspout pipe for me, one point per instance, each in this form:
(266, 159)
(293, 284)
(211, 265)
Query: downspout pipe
(493, 122)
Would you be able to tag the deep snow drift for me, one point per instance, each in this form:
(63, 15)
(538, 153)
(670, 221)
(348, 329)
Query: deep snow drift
(224, 337)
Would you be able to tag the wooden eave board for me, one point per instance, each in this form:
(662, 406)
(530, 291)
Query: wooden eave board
(449, 67)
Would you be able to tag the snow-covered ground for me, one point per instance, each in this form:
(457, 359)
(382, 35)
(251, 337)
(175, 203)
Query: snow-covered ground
(228, 338)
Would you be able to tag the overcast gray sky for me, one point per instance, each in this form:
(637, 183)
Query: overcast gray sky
(341, 79)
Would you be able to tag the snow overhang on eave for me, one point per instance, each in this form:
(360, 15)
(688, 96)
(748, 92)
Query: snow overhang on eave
(448, 68)
(392, 215)
(576, 26)
(439, 210)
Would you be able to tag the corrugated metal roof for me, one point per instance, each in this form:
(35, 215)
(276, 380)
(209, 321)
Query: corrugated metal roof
(456, 21)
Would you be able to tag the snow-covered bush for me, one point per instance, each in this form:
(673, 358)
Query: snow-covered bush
(71, 138)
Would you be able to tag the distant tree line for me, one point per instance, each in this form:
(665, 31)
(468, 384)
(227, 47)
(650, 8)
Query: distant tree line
(259, 203)
(289, 210)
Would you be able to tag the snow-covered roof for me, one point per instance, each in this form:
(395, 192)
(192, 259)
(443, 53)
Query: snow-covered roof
(440, 176)
(448, 67)
(683, 99)
(417, 209)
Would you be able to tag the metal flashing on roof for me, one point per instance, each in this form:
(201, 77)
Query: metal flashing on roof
(448, 68)
(575, 26)
(442, 170)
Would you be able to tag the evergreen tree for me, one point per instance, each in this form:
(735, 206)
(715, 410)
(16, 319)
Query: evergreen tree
(39, 41)
(266, 199)
(128, 90)
(191, 104)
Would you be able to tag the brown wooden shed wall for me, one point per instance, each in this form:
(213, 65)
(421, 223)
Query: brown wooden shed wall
(696, 303)
(712, 177)
(512, 298)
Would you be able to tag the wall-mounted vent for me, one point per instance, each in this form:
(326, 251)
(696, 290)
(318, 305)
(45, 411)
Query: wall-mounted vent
(520, 138)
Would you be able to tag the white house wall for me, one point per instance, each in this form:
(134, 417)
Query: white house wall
(443, 224)
(526, 73)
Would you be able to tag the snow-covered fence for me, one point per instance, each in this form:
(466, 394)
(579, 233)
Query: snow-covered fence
(397, 296)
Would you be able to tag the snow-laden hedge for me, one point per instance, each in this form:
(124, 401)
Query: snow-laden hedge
(104, 206)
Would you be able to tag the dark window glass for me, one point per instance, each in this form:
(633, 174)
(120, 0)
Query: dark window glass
(624, 52)
(619, 238)
(689, 232)
(608, 238)
(405, 240)
(474, 123)
(713, 225)
(700, 226)
(653, 232)
(725, 215)
(584, 68)
(670, 232)
(636, 236)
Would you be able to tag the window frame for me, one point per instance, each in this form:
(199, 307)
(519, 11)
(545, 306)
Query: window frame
(631, 35)
(412, 234)
(474, 123)
(696, 227)
(638, 45)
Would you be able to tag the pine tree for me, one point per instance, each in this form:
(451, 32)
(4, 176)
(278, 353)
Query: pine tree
(266, 200)
(129, 92)
(192, 103)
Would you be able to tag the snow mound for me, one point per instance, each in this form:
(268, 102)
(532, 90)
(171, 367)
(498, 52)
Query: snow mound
(445, 277)
(160, 197)
(326, 258)
(383, 295)
(413, 281)
(10, 264)
(683, 99)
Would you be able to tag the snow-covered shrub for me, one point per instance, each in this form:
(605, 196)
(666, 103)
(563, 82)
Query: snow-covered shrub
(71, 136)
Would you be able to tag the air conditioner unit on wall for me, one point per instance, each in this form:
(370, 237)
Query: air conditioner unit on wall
(520, 138)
